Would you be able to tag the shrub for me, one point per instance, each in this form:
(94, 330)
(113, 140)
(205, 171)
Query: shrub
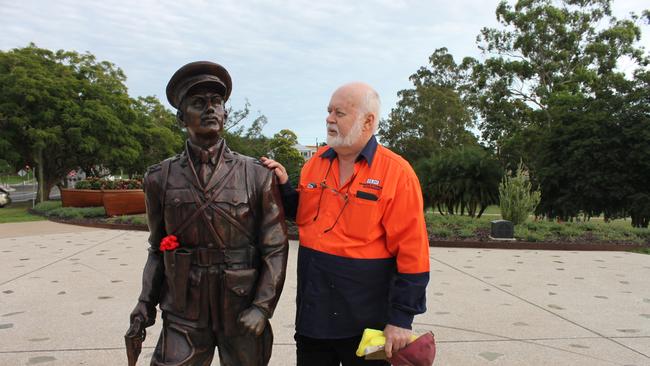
(459, 181)
(101, 183)
(462, 227)
(76, 212)
(46, 206)
(129, 219)
(516, 198)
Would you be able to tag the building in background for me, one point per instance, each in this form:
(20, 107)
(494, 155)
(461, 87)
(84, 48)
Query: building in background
(306, 151)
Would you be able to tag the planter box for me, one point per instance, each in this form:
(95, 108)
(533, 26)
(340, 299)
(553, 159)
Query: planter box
(115, 201)
(124, 202)
(81, 198)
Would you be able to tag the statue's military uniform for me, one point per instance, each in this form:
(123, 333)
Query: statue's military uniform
(233, 246)
(232, 255)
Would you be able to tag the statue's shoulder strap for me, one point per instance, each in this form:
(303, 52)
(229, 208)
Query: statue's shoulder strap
(250, 187)
(163, 181)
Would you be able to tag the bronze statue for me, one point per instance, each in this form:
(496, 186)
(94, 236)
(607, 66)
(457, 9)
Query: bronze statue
(218, 241)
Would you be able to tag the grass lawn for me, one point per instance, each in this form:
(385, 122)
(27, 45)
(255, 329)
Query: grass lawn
(17, 212)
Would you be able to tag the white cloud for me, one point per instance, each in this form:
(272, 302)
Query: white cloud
(286, 57)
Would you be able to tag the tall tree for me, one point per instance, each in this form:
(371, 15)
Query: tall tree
(156, 131)
(549, 92)
(60, 110)
(246, 140)
(432, 115)
(543, 51)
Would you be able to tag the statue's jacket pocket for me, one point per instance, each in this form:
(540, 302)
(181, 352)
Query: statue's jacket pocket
(183, 284)
(238, 294)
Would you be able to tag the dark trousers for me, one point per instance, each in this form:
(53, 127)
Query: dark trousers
(331, 352)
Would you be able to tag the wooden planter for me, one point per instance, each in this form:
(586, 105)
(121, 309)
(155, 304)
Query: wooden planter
(124, 202)
(81, 197)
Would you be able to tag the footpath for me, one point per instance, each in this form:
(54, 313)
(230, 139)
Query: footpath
(66, 293)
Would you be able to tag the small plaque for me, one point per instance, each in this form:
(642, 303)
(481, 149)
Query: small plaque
(502, 229)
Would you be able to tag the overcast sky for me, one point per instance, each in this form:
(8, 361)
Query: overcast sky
(285, 57)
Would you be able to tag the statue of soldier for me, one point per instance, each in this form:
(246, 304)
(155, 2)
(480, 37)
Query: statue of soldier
(218, 241)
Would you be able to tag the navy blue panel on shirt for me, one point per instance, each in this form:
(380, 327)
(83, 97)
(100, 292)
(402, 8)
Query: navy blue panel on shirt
(408, 297)
(339, 297)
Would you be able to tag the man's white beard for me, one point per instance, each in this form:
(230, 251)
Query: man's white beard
(344, 141)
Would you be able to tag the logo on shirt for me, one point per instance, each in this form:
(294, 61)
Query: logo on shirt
(371, 184)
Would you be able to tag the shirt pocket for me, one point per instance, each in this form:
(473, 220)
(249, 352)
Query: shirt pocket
(359, 217)
(179, 206)
(234, 202)
(308, 202)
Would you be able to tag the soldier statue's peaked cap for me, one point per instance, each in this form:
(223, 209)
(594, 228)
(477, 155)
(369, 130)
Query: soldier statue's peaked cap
(195, 73)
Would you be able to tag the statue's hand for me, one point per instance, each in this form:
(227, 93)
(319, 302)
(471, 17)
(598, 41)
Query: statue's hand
(146, 311)
(253, 320)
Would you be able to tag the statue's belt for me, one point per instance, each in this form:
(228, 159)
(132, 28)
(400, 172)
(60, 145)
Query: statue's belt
(206, 257)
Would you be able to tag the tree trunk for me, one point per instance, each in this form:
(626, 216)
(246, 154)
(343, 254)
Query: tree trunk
(480, 213)
(39, 173)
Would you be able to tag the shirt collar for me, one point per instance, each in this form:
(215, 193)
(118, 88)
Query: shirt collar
(195, 151)
(368, 151)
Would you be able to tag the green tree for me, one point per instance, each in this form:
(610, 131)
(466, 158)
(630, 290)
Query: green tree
(282, 150)
(459, 181)
(432, 115)
(549, 92)
(157, 132)
(61, 110)
(247, 141)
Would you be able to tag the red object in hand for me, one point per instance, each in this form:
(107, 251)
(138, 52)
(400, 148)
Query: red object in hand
(170, 242)
(420, 352)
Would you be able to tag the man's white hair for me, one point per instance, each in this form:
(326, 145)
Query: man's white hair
(372, 104)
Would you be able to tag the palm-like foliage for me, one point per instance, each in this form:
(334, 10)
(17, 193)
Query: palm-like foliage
(459, 181)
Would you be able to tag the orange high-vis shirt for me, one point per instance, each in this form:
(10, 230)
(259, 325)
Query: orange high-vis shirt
(378, 213)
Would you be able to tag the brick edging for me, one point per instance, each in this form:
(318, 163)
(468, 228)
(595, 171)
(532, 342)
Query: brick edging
(536, 245)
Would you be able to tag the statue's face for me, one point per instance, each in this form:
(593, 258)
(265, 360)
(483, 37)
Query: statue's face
(204, 114)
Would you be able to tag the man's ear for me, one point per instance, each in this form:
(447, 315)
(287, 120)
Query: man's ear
(369, 122)
(179, 119)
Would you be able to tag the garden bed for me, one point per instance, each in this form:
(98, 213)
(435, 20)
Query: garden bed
(444, 231)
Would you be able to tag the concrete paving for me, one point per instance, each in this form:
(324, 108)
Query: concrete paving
(66, 292)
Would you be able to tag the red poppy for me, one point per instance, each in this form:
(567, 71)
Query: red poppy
(170, 242)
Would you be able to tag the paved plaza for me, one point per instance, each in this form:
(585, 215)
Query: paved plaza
(66, 293)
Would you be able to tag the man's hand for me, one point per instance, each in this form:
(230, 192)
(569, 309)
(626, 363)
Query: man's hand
(279, 170)
(253, 320)
(146, 311)
(396, 339)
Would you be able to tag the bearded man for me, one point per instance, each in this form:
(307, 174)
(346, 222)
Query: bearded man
(363, 260)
